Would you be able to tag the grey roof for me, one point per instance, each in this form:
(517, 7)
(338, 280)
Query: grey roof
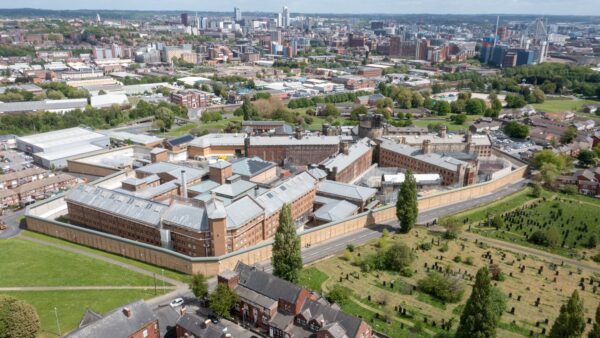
(234, 189)
(286, 192)
(89, 316)
(266, 284)
(221, 164)
(355, 151)
(219, 140)
(439, 160)
(188, 216)
(345, 191)
(157, 150)
(292, 141)
(242, 211)
(195, 325)
(113, 202)
(317, 173)
(336, 330)
(254, 297)
(335, 211)
(332, 315)
(116, 323)
(249, 167)
(173, 170)
(46, 105)
(203, 187)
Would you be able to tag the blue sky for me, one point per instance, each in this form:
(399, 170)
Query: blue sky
(537, 7)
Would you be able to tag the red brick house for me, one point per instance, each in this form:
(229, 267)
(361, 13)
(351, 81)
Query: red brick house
(285, 310)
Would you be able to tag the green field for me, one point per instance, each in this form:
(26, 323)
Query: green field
(71, 305)
(312, 279)
(24, 263)
(152, 268)
(562, 105)
(575, 216)
(451, 126)
(27, 264)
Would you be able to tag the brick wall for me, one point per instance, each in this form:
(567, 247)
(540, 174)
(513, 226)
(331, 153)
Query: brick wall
(255, 254)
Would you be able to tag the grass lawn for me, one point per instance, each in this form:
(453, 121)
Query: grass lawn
(451, 126)
(312, 279)
(158, 270)
(562, 105)
(520, 288)
(71, 305)
(25, 263)
(575, 216)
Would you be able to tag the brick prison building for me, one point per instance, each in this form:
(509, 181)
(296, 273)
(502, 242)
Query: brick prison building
(194, 227)
(352, 161)
(453, 171)
(298, 149)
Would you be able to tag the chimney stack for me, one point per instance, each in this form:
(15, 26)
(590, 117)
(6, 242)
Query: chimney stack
(298, 133)
(127, 312)
(344, 148)
(426, 147)
(442, 131)
(183, 185)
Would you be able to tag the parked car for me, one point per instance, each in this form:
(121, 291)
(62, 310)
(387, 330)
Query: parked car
(176, 302)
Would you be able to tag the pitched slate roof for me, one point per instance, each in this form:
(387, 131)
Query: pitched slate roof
(286, 192)
(335, 211)
(251, 166)
(331, 316)
(345, 191)
(195, 325)
(113, 202)
(116, 323)
(266, 284)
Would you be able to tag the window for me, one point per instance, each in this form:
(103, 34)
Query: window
(145, 333)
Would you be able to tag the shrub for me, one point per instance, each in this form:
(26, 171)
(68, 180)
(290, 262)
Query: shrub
(406, 272)
(444, 247)
(596, 258)
(350, 247)
(457, 259)
(469, 260)
(549, 238)
(339, 294)
(536, 190)
(425, 246)
(398, 256)
(445, 288)
(347, 256)
(592, 241)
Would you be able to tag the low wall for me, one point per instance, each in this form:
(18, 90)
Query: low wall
(255, 254)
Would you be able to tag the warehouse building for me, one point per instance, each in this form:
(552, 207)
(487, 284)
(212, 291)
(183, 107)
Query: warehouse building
(52, 149)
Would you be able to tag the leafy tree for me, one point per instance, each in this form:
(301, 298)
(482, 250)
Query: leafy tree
(595, 332)
(407, 208)
(330, 110)
(287, 257)
(358, 110)
(516, 130)
(459, 118)
(515, 101)
(165, 115)
(550, 238)
(458, 106)
(248, 111)
(536, 190)
(537, 96)
(586, 157)
(17, 318)
(547, 156)
(222, 300)
(570, 322)
(568, 136)
(592, 241)
(443, 108)
(446, 288)
(475, 107)
(199, 285)
(479, 319)
(398, 256)
(339, 294)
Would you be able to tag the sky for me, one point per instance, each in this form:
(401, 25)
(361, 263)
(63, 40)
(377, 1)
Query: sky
(535, 7)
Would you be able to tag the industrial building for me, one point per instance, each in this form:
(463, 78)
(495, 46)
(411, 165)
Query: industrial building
(52, 149)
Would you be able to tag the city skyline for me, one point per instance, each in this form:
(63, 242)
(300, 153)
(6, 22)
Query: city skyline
(552, 7)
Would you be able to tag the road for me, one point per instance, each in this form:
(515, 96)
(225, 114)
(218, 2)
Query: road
(11, 219)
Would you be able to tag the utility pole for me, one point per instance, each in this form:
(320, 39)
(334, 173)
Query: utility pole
(154, 283)
(57, 322)
(162, 271)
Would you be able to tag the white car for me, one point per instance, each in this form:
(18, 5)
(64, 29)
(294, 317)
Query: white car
(176, 302)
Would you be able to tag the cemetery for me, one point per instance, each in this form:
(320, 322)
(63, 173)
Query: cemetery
(419, 288)
(563, 224)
